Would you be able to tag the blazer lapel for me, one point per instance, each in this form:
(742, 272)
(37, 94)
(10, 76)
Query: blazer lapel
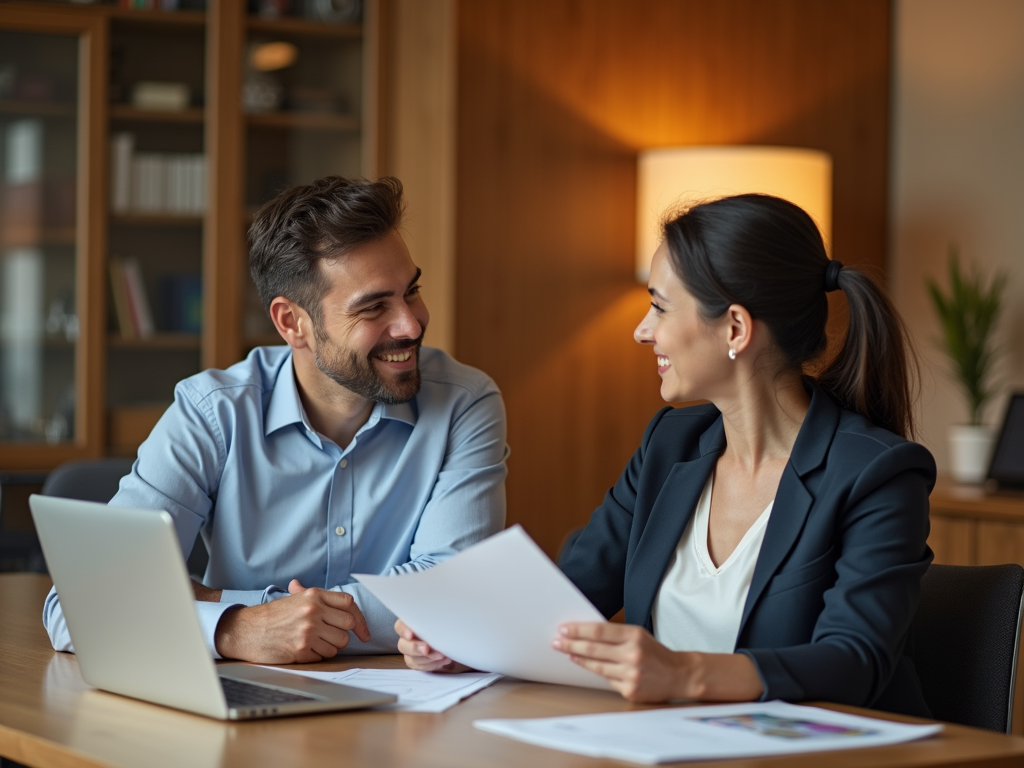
(669, 515)
(793, 501)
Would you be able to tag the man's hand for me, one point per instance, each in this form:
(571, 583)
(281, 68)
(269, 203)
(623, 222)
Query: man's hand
(419, 655)
(308, 625)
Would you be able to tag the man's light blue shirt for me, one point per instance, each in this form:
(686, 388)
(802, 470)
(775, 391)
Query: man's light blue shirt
(236, 460)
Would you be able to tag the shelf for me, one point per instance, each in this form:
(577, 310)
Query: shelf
(156, 220)
(58, 342)
(318, 121)
(43, 238)
(181, 19)
(37, 108)
(126, 113)
(304, 28)
(158, 341)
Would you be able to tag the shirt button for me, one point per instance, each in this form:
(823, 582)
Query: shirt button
(343, 463)
(340, 530)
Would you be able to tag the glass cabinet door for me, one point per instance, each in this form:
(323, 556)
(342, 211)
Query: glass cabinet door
(39, 326)
(47, 74)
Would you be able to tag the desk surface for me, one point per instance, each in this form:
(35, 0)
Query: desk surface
(49, 718)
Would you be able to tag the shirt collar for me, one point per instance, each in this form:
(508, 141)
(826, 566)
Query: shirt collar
(285, 405)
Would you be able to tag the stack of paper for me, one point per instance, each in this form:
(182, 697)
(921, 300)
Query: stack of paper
(416, 691)
(708, 733)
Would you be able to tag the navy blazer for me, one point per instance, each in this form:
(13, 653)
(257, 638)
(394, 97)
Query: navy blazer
(838, 576)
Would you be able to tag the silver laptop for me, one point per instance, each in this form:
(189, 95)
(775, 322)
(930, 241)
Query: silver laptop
(130, 611)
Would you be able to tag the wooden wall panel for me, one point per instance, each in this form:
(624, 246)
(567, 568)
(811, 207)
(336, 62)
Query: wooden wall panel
(555, 97)
(418, 144)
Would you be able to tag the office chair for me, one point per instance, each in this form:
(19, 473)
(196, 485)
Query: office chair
(964, 642)
(98, 480)
(87, 480)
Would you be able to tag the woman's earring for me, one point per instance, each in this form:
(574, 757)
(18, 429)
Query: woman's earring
(732, 354)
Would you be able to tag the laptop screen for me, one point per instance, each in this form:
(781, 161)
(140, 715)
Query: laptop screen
(1007, 467)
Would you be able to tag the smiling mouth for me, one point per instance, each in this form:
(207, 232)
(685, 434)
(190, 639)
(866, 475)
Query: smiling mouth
(397, 357)
(663, 362)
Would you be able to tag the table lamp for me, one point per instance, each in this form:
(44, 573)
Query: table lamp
(680, 176)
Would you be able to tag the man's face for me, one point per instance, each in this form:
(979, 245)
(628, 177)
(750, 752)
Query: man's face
(373, 322)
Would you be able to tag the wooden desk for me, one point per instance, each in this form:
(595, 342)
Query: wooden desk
(50, 719)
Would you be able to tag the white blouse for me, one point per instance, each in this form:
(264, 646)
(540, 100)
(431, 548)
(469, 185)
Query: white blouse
(698, 606)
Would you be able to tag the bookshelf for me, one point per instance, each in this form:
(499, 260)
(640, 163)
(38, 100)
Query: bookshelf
(102, 380)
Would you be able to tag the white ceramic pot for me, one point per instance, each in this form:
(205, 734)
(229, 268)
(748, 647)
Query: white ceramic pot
(970, 449)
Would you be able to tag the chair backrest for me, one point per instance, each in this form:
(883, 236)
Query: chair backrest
(87, 480)
(964, 642)
(98, 480)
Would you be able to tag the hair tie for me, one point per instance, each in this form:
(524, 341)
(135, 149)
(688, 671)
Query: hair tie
(832, 275)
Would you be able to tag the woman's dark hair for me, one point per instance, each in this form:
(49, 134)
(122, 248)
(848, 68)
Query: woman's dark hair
(291, 234)
(767, 255)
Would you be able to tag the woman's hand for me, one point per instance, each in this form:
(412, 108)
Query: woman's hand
(419, 655)
(636, 665)
(644, 670)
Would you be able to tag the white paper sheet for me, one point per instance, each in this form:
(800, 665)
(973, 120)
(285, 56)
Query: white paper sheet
(495, 606)
(416, 691)
(707, 733)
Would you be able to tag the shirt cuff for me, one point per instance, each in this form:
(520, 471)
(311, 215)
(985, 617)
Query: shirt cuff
(245, 596)
(209, 617)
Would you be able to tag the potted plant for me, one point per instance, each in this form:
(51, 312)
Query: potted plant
(968, 314)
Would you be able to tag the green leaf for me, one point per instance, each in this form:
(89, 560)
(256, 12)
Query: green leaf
(967, 315)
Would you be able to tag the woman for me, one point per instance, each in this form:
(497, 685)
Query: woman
(770, 544)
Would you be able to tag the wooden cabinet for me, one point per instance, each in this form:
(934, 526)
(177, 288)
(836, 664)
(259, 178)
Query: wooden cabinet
(973, 527)
(83, 371)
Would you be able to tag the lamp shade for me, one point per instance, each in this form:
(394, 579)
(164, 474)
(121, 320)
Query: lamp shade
(680, 176)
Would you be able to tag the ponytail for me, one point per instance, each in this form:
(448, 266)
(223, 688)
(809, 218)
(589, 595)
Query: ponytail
(767, 255)
(871, 374)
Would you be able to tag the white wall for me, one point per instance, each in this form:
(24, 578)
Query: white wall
(957, 176)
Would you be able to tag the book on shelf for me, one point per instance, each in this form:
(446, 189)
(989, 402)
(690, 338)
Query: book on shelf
(119, 292)
(142, 315)
(131, 305)
(122, 147)
(170, 183)
(181, 297)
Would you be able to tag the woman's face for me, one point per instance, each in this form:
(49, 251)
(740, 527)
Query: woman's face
(691, 353)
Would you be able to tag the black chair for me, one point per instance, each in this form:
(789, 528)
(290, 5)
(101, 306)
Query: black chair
(87, 480)
(964, 641)
(98, 480)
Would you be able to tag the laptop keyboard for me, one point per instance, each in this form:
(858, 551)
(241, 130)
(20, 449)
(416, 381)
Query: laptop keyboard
(240, 694)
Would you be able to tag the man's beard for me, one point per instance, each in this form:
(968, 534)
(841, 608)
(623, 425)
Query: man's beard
(359, 375)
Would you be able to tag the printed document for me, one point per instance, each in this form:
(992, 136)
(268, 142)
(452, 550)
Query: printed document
(708, 733)
(496, 607)
(416, 691)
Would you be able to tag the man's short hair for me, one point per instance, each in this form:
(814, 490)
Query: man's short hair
(291, 234)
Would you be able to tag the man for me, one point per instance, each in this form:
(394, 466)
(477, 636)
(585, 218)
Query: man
(353, 449)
